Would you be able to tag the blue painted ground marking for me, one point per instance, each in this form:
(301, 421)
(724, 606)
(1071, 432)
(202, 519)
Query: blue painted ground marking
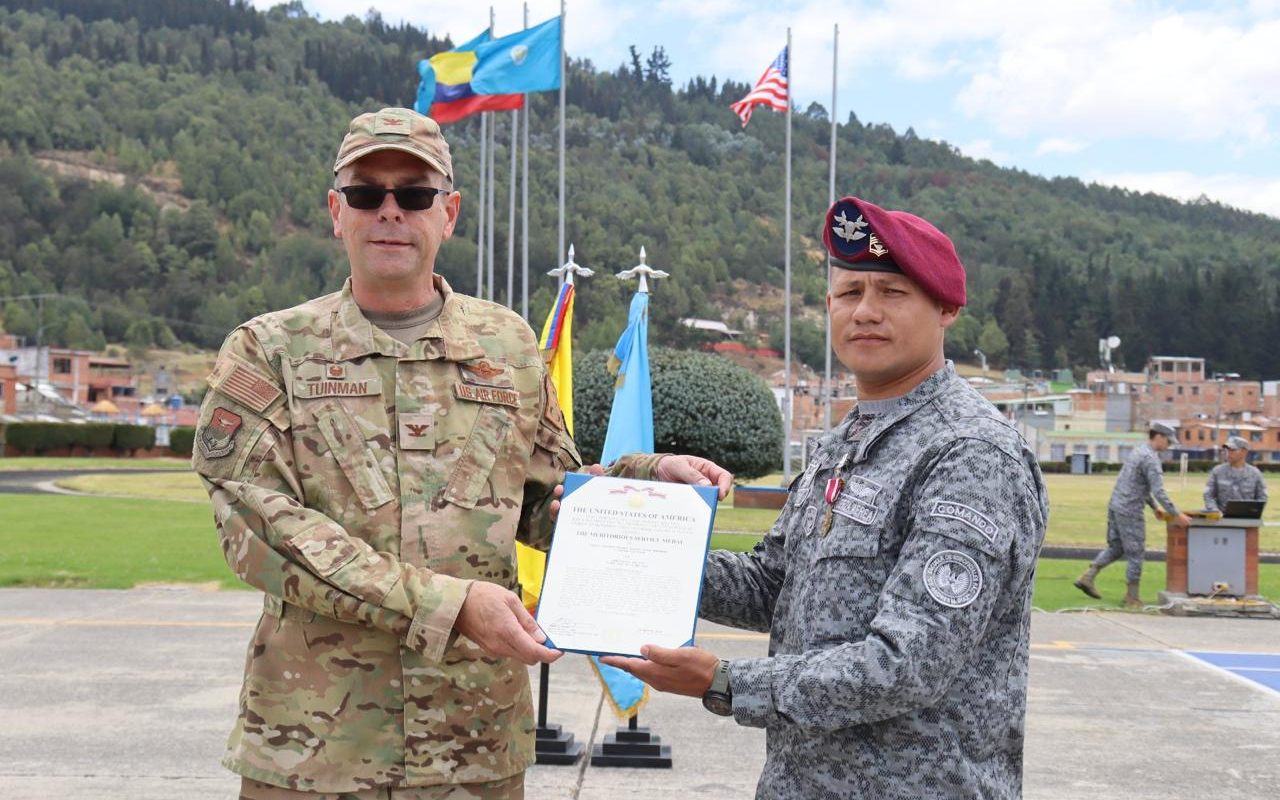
(1260, 668)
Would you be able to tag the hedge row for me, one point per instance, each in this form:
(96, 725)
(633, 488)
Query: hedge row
(1170, 467)
(181, 440)
(41, 437)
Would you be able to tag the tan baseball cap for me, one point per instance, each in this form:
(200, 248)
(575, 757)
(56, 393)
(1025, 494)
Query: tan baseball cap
(396, 129)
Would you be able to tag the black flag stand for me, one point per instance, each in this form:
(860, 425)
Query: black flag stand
(632, 746)
(551, 744)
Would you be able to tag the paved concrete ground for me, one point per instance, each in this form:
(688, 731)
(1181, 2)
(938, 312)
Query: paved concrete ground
(130, 694)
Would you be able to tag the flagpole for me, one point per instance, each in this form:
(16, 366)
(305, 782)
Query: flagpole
(511, 213)
(786, 290)
(480, 204)
(493, 178)
(563, 80)
(524, 203)
(831, 199)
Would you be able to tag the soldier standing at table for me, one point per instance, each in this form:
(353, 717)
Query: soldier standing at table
(1237, 479)
(1140, 484)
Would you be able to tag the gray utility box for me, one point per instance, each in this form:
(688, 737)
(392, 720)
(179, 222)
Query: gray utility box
(1215, 555)
(1079, 463)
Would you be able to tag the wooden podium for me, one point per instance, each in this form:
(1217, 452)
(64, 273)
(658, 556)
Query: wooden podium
(1211, 545)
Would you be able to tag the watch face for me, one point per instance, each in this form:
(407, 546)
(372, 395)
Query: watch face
(718, 703)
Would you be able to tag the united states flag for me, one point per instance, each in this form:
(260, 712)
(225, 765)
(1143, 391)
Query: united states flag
(770, 90)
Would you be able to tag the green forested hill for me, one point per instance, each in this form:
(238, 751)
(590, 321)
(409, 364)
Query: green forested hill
(227, 119)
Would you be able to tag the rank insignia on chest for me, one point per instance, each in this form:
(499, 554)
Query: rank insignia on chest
(417, 432)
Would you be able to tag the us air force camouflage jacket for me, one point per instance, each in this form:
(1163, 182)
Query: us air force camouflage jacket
(898, 643)
(1228, 483)
(363, 484)
(1141, 481)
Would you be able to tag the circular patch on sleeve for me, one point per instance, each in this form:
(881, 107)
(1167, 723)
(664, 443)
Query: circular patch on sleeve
(952, 578)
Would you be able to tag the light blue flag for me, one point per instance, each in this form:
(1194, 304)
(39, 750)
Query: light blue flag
(631, 419)
(630, 431)
(527, 61)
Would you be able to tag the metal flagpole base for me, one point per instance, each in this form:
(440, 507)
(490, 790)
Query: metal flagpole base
(632, 746)
(553, 746)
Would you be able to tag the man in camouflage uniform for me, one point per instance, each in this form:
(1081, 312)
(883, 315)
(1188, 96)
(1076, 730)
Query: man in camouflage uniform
(1140, 484)
(1237, 479)
(896, 584)
(372, 456)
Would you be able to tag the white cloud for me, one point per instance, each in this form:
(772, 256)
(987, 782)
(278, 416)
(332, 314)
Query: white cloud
(1056, 145)
(1251, 192)
(1133, 72)
(985, 148)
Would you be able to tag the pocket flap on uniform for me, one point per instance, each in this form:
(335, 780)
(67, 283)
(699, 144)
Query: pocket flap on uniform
(471, 474)
(357, 463)
(850, 539)
(326, 554)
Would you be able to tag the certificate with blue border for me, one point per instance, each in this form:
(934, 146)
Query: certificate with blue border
(625, 566)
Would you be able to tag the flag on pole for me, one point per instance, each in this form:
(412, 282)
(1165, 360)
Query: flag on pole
(445, 90)
(630, 431)
(525, 61)
(771, 90)
(631, 418)
(556, 344)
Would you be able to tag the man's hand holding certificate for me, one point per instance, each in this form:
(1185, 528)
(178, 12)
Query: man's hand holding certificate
(625, 567)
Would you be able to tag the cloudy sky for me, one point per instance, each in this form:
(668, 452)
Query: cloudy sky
(1172, 96)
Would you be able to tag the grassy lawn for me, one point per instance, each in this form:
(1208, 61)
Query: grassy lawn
(182, 486)
(108, 543)
(38, 463)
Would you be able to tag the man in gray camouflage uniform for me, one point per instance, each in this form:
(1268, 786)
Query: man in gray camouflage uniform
(896, 584)
(1140, 484)
(372, 456)
(1237, 479)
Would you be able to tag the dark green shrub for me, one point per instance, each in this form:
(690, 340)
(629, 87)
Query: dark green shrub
(703, 405)
(129, 438)
(181, 440)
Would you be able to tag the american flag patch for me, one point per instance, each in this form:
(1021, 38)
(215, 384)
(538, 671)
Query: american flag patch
(245, 384)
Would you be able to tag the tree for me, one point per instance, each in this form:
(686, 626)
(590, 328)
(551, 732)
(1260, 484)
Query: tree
(993, 343)
(703, 405)
(962, 337)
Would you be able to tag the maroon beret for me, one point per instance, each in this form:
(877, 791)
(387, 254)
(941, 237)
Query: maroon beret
(863, 236)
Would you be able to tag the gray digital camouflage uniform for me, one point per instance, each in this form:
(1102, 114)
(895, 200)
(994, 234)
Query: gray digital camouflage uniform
(898, 648)
(363, 484)
(1140, 483)
(1228, 483)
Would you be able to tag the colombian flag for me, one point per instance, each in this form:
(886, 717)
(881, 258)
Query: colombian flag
(444, 87)
(556, 344)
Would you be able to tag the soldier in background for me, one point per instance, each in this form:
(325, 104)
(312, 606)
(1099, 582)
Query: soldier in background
(896, 584)
(1237, 479)
(372, 456)
(1140, 483)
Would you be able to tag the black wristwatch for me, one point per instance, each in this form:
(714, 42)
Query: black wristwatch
(719, 697)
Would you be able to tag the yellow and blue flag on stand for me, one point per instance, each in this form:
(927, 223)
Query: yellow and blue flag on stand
(630, 431)
(556, 344)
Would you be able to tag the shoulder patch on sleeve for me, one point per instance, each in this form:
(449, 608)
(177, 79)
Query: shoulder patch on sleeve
(952, 578)
(243, 383)
(968, 515)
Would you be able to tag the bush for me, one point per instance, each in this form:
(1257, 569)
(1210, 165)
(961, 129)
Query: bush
(129, 438)
(96, 434)
(181, 440)
(703, 405)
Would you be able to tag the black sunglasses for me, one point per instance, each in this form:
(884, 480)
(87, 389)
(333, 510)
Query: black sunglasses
(409, 198)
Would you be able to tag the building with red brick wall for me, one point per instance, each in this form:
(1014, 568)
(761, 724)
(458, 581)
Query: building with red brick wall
(8, 389)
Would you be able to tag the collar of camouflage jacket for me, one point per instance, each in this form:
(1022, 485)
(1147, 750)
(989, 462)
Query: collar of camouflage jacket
(447, 337)
(907, 405)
